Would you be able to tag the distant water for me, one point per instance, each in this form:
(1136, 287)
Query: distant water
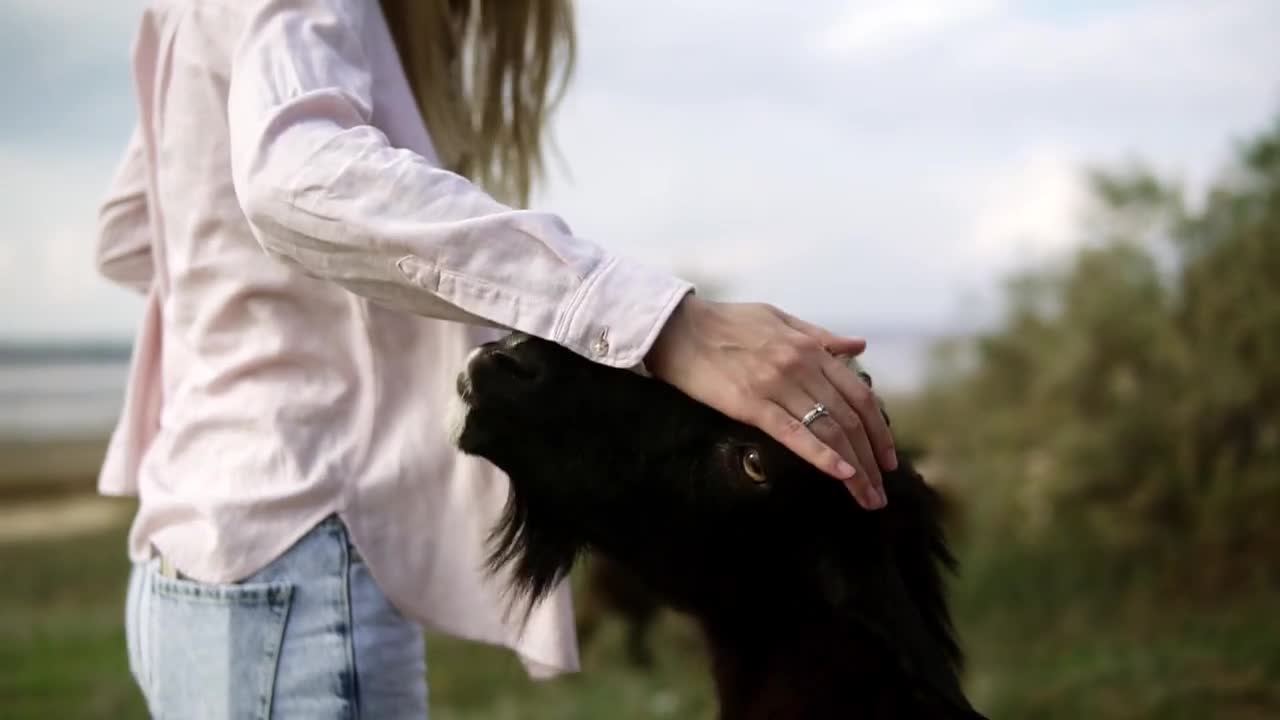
(45, 400)
(46, 397)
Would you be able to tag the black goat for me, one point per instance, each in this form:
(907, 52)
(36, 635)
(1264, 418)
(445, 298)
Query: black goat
(812, 607)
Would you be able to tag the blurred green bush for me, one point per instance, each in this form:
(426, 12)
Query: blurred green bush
(1130, 394)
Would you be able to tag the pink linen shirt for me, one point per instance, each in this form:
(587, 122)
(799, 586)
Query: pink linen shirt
(313, 282)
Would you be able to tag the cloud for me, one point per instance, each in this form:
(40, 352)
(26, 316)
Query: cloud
(878, 28)
(908, 171)
(1030, 210)
(860, 163)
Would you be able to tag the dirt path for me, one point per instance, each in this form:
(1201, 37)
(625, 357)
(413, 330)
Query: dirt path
(58, 518)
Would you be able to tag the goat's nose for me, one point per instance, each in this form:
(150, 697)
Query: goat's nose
(508, 361)
(513, 340)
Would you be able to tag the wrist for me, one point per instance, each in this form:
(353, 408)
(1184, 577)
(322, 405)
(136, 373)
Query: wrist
(675, 326)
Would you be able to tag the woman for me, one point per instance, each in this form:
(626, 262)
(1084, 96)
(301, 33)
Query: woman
(301, 513)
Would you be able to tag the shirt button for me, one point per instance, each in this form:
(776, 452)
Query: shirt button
(601, 344)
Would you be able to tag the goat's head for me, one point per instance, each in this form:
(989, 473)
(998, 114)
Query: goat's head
(609, 459)
(714, 514)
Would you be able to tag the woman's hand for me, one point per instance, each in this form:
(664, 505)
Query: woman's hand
(761, 366)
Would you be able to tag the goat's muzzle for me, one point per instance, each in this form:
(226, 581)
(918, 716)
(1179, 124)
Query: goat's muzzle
(506, 366)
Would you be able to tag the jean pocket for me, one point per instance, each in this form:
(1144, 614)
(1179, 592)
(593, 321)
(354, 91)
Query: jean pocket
(214, 648)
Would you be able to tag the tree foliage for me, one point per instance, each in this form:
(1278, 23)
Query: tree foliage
(1133, 391)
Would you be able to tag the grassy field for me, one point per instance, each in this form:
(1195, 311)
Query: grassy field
(1051, 633)
(62, 653)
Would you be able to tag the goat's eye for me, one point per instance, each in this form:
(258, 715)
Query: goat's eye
(752, 465)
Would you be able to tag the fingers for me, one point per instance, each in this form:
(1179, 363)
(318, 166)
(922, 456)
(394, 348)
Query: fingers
(786, 429)
(843, 430)
(853, 390)
(834, 344)
(860, 397)
(761, 366)
(788, 376)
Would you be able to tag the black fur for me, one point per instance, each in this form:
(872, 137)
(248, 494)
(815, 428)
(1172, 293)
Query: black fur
(812, 606)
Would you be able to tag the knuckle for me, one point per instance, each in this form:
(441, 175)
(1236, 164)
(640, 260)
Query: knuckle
(788, 358)
(760, 417)
(766, 378)
(739, 391)
(830, 434)
(842, 414)
(808, 343)
(741, 410)
(832, 459)
(867, 407)
(829, 457)
(792, 427)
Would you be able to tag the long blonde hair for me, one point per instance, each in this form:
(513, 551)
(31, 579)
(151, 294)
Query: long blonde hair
(486, 75)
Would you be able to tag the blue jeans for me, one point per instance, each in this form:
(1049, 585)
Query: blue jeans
(308, 636)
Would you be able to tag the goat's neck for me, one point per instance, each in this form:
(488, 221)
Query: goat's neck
(806, 663)
(780, 650)
(785, 669)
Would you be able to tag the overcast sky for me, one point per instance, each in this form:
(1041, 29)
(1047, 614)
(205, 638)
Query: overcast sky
(868, 165)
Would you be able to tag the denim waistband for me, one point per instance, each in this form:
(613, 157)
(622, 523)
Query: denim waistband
(331, 523)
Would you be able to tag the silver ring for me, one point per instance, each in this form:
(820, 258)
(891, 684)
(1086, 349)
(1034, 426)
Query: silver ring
(818, 411)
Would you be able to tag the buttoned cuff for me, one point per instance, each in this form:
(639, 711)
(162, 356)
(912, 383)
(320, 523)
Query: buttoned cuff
(618, 311)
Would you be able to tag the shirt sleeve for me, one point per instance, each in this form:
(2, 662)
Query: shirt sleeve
(124, 230)
(324, 189)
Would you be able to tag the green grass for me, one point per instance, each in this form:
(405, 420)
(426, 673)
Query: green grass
(1047, 637)
(1063, 630)
(62, 653)
(61, 630)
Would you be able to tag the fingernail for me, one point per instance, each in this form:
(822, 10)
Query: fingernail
(845, 469)
(865, 497)
(893, 459)
(884, 499)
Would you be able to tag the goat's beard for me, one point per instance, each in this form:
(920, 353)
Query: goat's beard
(535, 558)
(537, 555)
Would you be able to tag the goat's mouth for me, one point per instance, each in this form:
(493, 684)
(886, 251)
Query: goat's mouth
(459, 409)
(493, 376)
(462, 401)
(463, 387)
(507, 366)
